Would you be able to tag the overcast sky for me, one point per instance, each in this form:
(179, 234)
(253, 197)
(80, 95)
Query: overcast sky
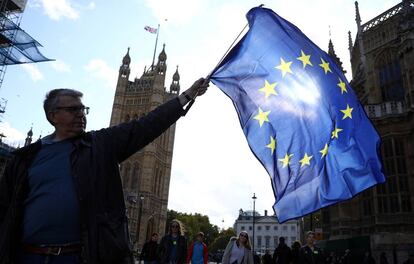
(214, 172)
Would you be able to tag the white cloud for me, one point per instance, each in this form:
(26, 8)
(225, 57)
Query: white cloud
(60, 66)
(12, 136)
(33, 71)
(56, 9)
(100, 69)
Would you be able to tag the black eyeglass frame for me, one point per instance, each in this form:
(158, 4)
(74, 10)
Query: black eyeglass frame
(74, 109)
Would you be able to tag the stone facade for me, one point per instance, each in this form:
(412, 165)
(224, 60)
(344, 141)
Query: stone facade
(146, 174)
(382, 59)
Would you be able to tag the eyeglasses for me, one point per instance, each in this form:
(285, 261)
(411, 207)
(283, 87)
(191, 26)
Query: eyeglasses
(243, 235)
(174, 226)
(74, 109)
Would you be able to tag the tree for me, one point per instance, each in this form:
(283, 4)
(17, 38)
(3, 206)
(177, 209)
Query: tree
(193, 224)
(221, 241)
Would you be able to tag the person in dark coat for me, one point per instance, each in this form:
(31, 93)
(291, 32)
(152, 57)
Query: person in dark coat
(295, 252)
(173, 246)
(282, 254)
(61, 198)
(267, 258)
(149, 250)
(309, 253)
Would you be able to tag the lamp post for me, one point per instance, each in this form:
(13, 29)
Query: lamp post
(254, 215)
(141, 199)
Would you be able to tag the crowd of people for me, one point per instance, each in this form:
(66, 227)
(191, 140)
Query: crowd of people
(173, 250)
(173, 247)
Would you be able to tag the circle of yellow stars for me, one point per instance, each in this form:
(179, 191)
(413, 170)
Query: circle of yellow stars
(269, 89)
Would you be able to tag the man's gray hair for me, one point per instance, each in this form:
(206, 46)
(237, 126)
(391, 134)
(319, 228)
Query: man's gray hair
(52, 99)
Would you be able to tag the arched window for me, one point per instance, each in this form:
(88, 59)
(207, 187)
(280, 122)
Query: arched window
(389, 76)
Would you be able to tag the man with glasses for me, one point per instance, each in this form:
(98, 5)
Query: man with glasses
(61, 198)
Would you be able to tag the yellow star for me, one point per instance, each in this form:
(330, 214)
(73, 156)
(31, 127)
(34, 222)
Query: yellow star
(335, 132)
(284, 67)
(268, 89)
(305, 59)
(286, 160)
(347, 112)
(324, 151)
(262, 116)
(306, 160)
(272, 144)
(325, 66)
(342, 85)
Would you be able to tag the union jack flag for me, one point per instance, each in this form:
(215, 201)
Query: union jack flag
(151, 29)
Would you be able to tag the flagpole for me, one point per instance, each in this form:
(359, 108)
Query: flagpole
(231, 46)
(155, 49)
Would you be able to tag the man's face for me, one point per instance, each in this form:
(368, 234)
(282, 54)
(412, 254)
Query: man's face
(310, 239)
(200, 238)
(69, 116)
(154, 238)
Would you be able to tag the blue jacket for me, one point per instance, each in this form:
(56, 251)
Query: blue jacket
(95, 168)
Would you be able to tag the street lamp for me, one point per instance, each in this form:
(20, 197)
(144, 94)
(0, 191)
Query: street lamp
(254, 208)
(141, 199)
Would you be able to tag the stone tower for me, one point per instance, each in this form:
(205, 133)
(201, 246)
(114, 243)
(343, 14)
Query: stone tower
(146, 174)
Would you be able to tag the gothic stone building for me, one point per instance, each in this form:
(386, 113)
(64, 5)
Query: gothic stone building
(146, 174)
(382, 59)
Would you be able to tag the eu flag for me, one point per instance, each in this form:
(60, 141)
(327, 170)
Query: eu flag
(301, 118)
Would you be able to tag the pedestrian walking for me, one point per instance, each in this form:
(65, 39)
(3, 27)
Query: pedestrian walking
(173, 246)
(295, 252)
(309, 253)
(198, 251)
(282, 254)
(238, 250)
(149, 250)
(61, 198)
(267, 258)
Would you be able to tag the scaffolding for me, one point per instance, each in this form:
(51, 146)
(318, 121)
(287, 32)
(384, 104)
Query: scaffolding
(16, 46)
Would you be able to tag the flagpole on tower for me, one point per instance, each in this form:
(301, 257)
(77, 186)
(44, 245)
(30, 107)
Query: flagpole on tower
(155, 49)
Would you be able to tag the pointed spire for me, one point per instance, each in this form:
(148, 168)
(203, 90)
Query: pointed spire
(176, 76)
(357, 16)
(350, 43)
(28, 139)
(331, 52)
(127, 59)
(175, 85)
(163, 56)
(161, 67)
(124, 68)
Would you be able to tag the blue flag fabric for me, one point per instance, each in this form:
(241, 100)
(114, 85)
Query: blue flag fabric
(301, 118)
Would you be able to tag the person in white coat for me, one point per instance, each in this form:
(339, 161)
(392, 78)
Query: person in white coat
(238, 250)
